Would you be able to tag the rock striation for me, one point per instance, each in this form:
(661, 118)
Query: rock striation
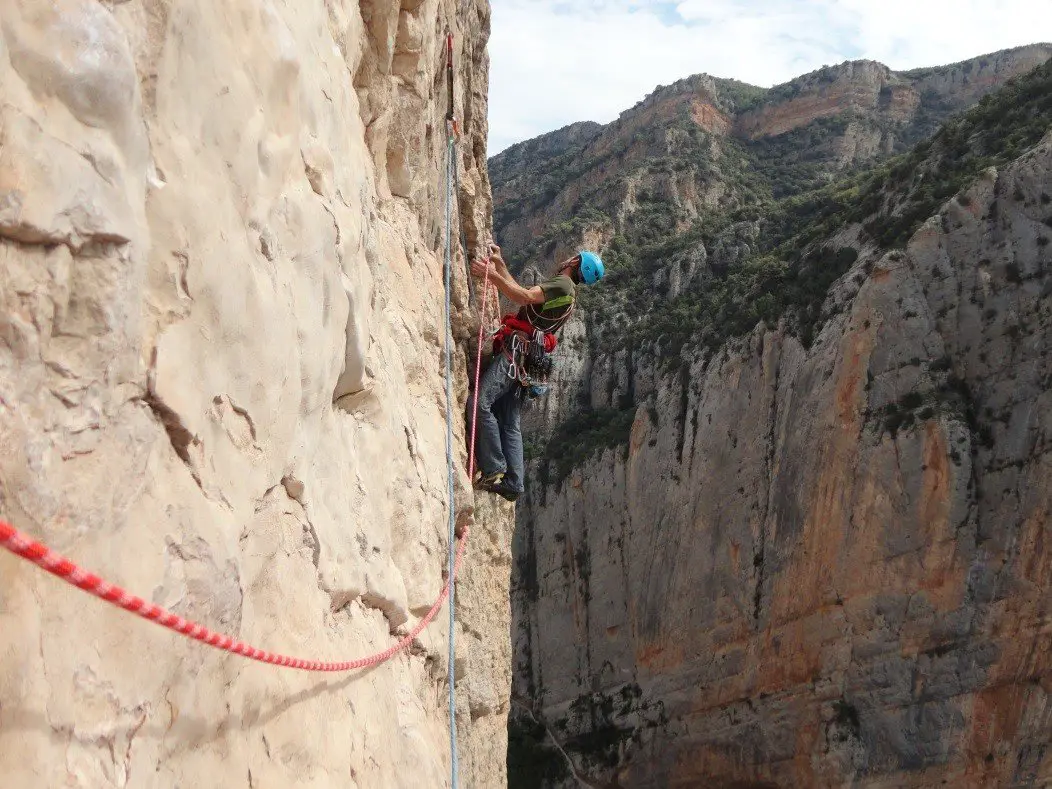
(221, 333)
(899, 98)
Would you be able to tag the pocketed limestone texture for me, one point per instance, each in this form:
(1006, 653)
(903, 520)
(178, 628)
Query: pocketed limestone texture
(221, 329)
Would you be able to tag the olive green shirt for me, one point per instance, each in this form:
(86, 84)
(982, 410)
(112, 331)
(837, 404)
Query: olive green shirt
(559, 295)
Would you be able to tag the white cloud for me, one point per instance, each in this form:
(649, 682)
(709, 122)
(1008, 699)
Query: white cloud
(554, 62)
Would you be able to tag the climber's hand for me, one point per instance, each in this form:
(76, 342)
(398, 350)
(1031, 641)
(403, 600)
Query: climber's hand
(479, 268)
(494, 256)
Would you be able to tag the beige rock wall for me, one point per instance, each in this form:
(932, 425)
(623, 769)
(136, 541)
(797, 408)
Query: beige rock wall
(221, 332)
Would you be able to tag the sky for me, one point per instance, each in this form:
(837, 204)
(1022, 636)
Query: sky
(555, 62)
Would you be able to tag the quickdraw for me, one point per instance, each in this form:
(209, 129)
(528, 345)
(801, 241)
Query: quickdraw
(529, 362)
(515, 354)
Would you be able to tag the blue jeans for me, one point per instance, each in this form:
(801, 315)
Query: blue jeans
(499, 441)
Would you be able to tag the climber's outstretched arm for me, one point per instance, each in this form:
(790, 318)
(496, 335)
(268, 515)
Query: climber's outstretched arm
(505, 282)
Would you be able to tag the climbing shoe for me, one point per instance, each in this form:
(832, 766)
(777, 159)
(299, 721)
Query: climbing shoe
(487, 481)
(494, 483)
(505, 490)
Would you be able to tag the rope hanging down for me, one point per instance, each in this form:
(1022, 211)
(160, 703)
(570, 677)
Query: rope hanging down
(454, 130)
(22, 545)
(450, 164)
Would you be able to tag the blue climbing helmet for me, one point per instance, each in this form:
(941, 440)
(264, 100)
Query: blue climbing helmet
(592, 268)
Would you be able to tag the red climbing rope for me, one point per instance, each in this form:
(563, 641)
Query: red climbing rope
(24, 546)
(478, 372)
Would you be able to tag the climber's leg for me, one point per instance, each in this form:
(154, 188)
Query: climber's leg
(494, 385)
(509, 409)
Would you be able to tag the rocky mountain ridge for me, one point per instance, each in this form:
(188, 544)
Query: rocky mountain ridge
(706, 143)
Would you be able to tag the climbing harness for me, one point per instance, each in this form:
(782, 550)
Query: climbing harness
(521, 353)
(528, 350)
(529, 362)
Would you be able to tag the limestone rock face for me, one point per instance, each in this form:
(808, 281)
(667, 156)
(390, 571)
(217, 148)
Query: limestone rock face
(873, 92)
(221, 331)
(854, 85)
(820, 566)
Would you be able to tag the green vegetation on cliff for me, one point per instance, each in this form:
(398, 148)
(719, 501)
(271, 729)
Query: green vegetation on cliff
(584, 436)
(786, 255)
(793, 260)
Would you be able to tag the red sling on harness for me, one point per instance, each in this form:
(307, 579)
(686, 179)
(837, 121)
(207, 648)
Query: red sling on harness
(510, 324)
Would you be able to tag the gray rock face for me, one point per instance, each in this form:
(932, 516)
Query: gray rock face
(896, 108)
(819, 566)
(962, 84)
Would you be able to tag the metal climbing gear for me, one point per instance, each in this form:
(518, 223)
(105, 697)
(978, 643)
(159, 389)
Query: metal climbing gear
(529, 361)
(517, 369)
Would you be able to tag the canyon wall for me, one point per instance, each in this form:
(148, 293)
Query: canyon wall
(812, 565)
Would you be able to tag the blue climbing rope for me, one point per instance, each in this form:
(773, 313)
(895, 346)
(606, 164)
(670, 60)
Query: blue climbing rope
(450, 164)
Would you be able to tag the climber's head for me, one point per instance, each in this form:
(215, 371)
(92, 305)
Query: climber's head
(583, 267)
(591, 267)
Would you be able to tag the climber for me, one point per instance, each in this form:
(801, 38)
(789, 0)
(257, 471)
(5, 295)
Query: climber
(521, 362)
